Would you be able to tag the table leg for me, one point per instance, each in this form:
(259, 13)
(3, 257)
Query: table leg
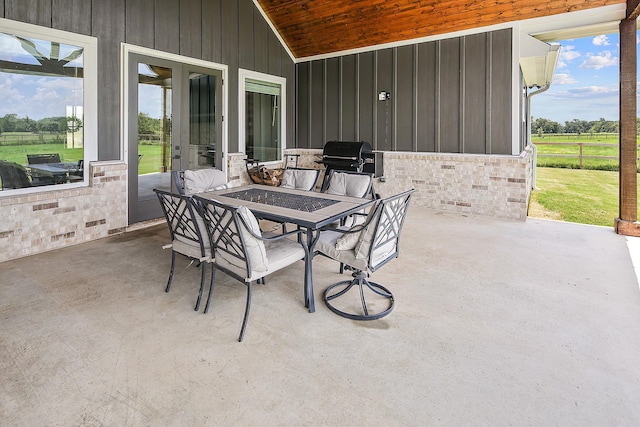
(308, 274)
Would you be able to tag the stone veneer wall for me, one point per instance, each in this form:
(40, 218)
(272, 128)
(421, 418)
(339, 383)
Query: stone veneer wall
(496, 186)
(474, 184)
(39, 222)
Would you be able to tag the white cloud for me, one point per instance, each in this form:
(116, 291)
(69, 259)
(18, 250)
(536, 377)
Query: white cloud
(587, 92)
(563, 79)
(598, 61)
(561, 64)
(568, 54)
(602, 40)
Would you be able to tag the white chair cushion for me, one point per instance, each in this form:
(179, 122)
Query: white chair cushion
(344, 184)
(299, 179)
(326, 244)
(255, 249)
(348, 240)
(282, 253)
(201, 180)
(188, 247)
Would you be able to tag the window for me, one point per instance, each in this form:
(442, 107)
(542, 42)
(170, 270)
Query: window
(262, 116)
(48, 110)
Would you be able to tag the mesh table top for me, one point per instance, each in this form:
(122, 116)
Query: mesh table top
(282, 200)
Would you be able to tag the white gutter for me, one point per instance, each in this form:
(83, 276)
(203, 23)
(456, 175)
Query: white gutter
(538, 63)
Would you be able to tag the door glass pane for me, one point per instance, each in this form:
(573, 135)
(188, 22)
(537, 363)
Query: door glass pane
(154, 129)
(262, 118)
(202, 121)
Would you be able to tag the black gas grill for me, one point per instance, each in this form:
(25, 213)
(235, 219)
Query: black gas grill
(348, 156)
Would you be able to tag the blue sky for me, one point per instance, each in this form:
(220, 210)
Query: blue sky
(586, 82)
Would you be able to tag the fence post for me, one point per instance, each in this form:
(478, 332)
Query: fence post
(580, 145)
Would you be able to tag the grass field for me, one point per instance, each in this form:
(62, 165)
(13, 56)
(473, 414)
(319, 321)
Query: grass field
(149, 162)
(18, 153)
(582, 196)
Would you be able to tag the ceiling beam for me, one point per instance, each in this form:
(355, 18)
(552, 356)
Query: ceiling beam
(633, 9)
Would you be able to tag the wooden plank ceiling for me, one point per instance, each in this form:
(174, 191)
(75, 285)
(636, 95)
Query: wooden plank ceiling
(316, 27)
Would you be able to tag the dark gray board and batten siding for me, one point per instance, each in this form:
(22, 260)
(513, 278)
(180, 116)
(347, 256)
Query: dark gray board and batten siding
(449, 96)
(233, 33)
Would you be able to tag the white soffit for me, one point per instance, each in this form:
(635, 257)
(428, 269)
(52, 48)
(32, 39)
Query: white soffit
(584, 23)
(537, 61)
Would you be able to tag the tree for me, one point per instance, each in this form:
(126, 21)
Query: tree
(546, 125)
(577, 126)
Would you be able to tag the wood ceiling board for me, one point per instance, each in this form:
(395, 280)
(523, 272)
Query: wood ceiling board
(318, 27)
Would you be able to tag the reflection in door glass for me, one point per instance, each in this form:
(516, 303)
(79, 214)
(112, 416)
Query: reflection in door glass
(262, 116)
(202, 120)
(154, 129)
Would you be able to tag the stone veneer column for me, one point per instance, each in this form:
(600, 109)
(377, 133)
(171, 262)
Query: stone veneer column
(39, 222)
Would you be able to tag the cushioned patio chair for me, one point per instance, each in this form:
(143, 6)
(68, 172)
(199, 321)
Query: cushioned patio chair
(192, 181)
(188, 236)
(353, 184)
(241, 251)
(349, 183)
(365, 248)
(14, 175)
(300, 179)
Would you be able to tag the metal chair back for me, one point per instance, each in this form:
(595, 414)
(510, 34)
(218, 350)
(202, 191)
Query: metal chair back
(34, 159)
(353, 180)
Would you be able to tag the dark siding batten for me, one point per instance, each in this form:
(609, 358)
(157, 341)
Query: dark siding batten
(77, 22)
(229, 34)
(348, 98)
(108, 24)
(167, 34)
(366, 98)
(140, 23)
(451, 95)
(190, 29)
(385, 111)
(37, 12)
(246, 45)
(475, 81)
(261, 42)
(403, 98)
(501, 93)
(211, 31)
(317, 105)
(332, 100)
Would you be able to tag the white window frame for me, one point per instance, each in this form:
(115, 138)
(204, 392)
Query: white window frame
(89, 93)
(243, 75)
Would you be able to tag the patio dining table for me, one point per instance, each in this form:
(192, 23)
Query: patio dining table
(306, 209)
(59, 172)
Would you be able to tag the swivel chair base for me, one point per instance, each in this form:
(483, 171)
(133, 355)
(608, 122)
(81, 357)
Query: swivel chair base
(359, 279)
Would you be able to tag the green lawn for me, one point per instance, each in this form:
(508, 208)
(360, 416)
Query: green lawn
(582, 196)
(150, 161)
(18, 153)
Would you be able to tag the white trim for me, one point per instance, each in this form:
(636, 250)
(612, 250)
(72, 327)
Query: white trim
(601, 17)
(275, 31)
(129, 48)
(126, 49)
(244, 74)
(89, 94)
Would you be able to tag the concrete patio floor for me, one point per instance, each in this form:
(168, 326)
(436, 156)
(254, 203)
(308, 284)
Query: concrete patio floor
(496, 323)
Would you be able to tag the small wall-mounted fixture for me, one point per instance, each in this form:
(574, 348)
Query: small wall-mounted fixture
(384, 96)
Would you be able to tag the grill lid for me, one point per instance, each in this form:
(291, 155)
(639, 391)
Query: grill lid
(346, 150)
